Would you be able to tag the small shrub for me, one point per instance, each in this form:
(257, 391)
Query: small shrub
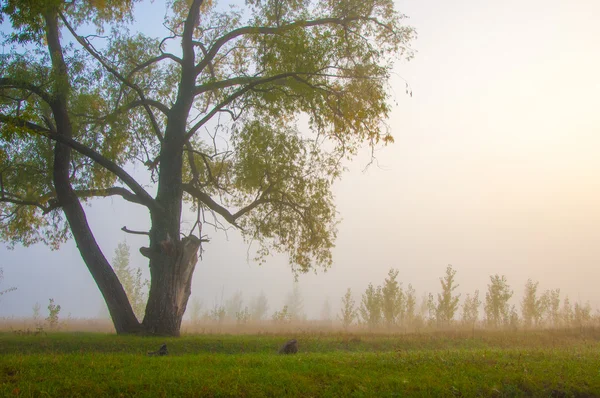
(282, 316)
(53, 311)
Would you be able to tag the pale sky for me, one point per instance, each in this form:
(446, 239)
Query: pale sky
(495, 170)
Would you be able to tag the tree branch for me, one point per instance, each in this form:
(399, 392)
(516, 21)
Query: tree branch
(116, 74)
(21, 202)
(24, 123)
(220, 42)
(224, 84)
(187, 41)
(143, 196)
(232, 98)
(7, 82)
(217, 208)
(210, 203)
(129, 231)
(153, 61)
(112, 191)
(134, 104)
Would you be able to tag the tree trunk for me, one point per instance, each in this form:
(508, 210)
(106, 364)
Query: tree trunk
(116, 299)
(172, 261)
(170, 286)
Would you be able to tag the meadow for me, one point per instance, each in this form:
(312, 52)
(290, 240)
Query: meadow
(487, 363)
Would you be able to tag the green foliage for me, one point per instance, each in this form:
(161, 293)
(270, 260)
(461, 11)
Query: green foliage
(582, 314)
(551, 299)
(283, 316)
(217, 314)
(470, 308)
(269, 66)
(27, 16)
(131, 279)
(411, 304)
(371, 306)
(53, 313)
(298, 180)
(447, 302)
(432, 309)
(497, 311)
(392, 299)
(566, 312)
(243, 316)
(348, 313)
(532, 306)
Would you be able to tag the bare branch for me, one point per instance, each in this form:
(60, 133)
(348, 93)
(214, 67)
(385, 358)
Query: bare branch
(112, 191)
(129, 231)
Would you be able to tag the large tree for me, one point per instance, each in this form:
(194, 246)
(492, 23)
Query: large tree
(244, 113)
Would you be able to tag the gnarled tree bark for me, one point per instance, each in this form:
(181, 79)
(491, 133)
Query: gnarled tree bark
(170, 287)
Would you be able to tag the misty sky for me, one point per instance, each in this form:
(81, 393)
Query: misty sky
(495, 169)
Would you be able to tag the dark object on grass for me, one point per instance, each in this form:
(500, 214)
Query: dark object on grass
(161, 351)
(291, 347)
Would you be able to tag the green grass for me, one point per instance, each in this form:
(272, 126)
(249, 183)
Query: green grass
(547, 363)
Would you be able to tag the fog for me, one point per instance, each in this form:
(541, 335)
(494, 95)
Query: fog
(494, 170)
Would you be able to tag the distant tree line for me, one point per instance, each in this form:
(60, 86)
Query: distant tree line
(390, 306)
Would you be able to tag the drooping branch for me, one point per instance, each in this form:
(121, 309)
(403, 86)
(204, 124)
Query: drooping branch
(222, 211)
(246, 209)
(53, 204)
(210, 203)
(111, 166)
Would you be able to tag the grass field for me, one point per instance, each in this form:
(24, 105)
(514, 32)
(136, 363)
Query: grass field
(543, 363)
